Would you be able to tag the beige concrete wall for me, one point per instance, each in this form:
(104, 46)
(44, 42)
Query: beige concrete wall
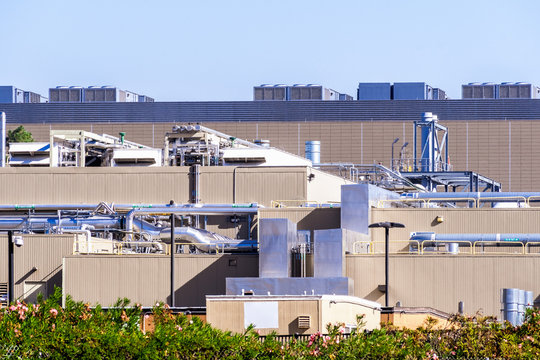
(502, 150)
(441, 282)
(145, 279)
(43, 252)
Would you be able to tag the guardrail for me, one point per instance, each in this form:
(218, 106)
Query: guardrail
(439, 247)
(498, 243)
(303, 204)
(372, 248)
(380, 203)
(114, 247)
(438, 243)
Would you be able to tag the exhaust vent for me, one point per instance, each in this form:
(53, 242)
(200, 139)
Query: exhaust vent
(304, 322)
(3, 294)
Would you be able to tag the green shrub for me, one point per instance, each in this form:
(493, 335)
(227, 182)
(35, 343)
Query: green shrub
(47, 330)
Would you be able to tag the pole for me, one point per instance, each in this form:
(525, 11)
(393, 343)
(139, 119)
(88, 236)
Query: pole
(11, 273)
(386, 246)
(3, 139)
(172, 261)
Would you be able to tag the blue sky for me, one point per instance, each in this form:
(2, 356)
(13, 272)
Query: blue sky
(218, 50)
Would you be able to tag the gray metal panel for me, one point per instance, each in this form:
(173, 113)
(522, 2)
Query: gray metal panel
(356, 201)
(261, 111)
(290, 286)
(410, 91)
(329, 253)
(374, 91)
(276, 239)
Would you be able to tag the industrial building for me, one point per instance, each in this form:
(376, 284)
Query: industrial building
(13, 95)
(492, 137)
(237, 227)
(297, 92)
(94, 94)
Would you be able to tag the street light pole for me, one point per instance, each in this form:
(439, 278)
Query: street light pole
(386, 225)
(173, 304)
(392, 162)
(11, 272)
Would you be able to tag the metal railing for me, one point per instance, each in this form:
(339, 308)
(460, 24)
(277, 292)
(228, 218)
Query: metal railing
(114, 247)
(381, 203)
(303, 204)
(500, 249)
(440, 247)
(437, 244)
(423, 164)
(377, 247)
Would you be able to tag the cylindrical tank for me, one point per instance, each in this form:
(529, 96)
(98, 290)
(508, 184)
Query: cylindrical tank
(512, 310)
(529, 299)
(313, 151)
(452, 248)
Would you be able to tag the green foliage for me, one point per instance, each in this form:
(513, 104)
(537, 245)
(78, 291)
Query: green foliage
(47, 330)
(19, 135)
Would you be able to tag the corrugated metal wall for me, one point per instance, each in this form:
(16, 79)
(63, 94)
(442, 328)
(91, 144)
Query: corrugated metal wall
(457, 221)
(150, 185)
(40, 251)
(146, 279)
(442, 281)
(501, 150)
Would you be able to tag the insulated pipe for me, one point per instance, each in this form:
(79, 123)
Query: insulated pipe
(497, 196)
(208, 239)
(3, 139)
(187, 211)
(499, 238)
(48, 222)
(117, 207)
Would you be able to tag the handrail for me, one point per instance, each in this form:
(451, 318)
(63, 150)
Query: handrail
(490, 199)
(454, 199)
(444, 242)
(118, 247)
(371, 247)
(381, 202)
(303, 203)
(527, 248)
(499, 242)
(531, 198)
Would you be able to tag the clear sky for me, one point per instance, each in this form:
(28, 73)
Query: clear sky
(218, 50)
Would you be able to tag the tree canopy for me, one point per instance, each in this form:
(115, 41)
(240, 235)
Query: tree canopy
(20, 134)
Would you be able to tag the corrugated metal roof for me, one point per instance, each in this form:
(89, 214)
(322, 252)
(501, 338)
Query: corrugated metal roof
(502, 109)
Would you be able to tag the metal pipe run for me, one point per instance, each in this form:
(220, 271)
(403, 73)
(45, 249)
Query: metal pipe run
(496, 196)
(508, 239)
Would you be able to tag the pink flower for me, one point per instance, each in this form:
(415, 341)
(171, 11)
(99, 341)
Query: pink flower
(178, 327)
(12, 308)
(341, 330)
(53, 312)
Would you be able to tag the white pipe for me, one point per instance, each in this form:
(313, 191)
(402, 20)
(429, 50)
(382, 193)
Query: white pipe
(3, 139)
(496, 196)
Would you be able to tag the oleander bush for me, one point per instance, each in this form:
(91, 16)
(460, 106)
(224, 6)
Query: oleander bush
(77, 331)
